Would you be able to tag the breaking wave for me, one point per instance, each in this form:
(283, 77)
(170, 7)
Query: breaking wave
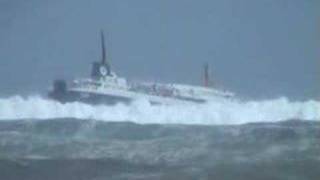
(224, 112)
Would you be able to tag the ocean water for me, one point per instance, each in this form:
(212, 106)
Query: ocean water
(271, 139)
(212, 113)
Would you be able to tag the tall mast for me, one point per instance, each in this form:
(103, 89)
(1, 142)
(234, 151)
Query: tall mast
(103, 49)
(104, 58)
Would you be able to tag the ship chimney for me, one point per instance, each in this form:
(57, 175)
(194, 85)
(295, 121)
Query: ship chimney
(206, 75)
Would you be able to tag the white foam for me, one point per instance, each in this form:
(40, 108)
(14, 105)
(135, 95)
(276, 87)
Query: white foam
(222, 112)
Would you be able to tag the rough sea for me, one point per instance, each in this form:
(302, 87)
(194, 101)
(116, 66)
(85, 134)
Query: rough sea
(236, 139)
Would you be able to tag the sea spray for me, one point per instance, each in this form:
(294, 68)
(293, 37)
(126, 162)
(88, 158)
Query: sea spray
(214, 112)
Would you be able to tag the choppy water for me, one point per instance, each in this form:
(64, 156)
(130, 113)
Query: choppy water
(226, 139)
(212, 113)
(86, 149)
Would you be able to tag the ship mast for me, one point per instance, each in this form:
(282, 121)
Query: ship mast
(104, 59)
(101, 69)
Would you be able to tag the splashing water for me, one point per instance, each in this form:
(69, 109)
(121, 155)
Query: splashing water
(215, 112)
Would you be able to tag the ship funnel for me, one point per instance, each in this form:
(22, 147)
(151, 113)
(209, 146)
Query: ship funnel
(206, 75)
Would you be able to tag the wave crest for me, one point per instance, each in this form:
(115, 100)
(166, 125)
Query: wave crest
(215, 112)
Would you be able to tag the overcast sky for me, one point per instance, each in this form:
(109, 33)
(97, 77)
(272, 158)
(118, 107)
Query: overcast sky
(258, 49)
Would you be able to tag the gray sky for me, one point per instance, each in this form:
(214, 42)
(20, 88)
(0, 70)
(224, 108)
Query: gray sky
(258, 49)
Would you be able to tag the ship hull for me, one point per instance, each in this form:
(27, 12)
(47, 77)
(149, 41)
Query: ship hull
(112, 99)
(112, 96)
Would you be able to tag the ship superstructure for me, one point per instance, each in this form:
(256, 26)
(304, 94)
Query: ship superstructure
(105, 87)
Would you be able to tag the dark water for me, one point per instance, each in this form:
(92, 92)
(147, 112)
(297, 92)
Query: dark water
(94, 150)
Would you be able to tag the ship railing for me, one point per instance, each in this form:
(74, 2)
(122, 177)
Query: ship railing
(85, 83)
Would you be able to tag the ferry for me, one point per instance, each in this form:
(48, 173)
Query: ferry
(104, 86)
